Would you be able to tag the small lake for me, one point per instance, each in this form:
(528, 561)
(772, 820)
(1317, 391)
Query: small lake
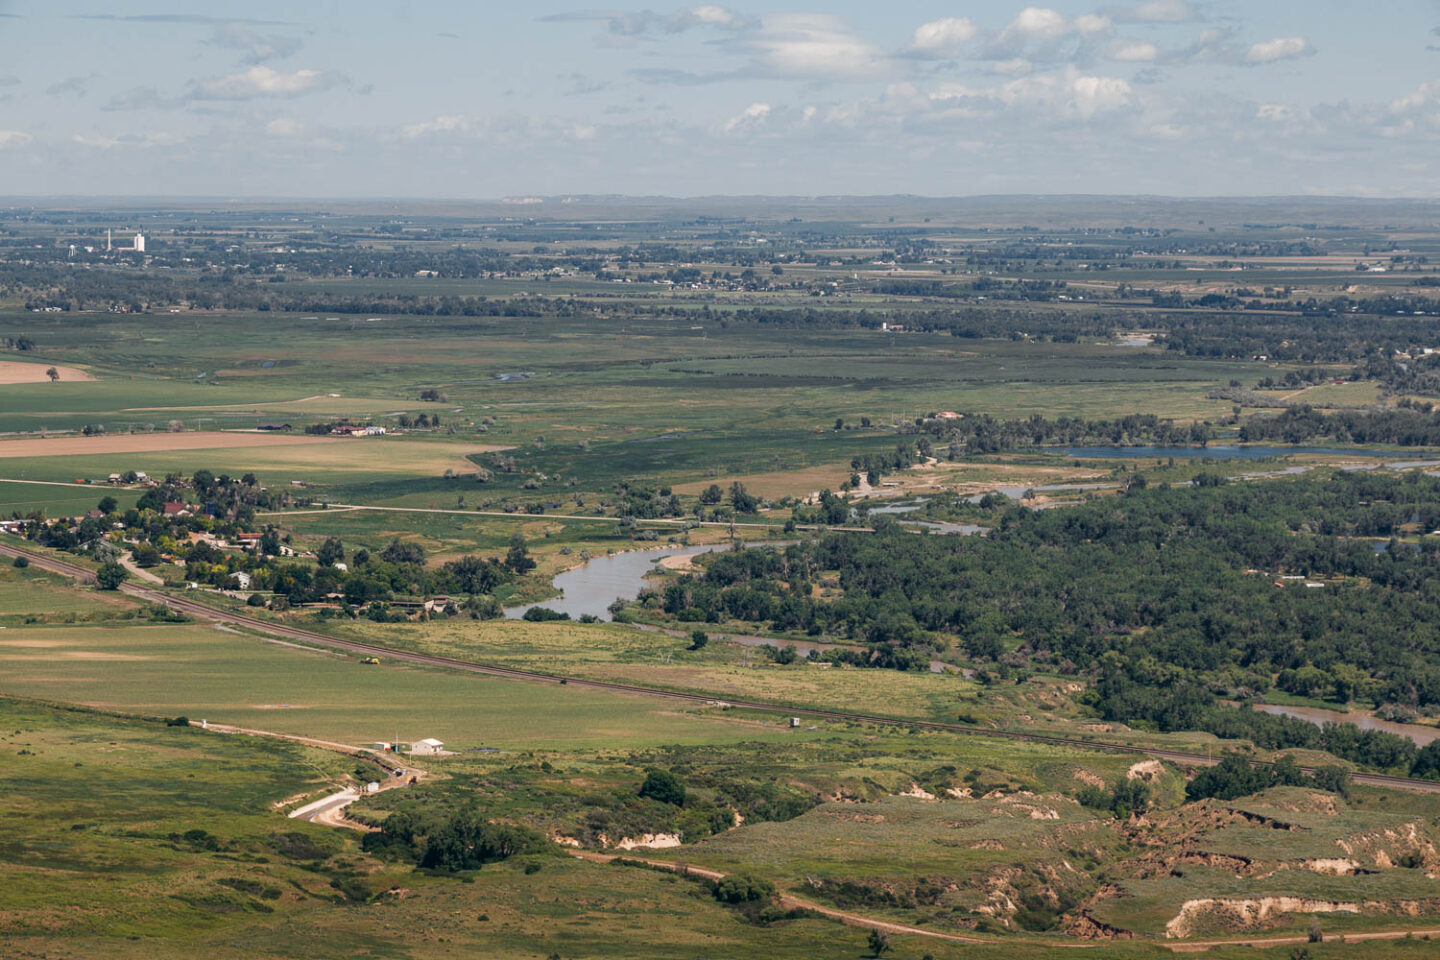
(591, 587)
(1419, 734)
(1222, 452)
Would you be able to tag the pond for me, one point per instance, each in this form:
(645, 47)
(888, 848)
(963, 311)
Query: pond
(591, 587)
(1419, 734)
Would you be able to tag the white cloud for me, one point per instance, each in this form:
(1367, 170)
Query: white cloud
(508, 130)
(261, 82)
(1037, 23)
(446, 123)
(642, 22)
(1091, 23)
(1041, 33)
(1067, 94)
(751, 116)
(1016, 67)
(943, 38)
(14, 138)
(1281, 48)
(1087, 96)
(1417, 111)
(1422, 96)
(1156, 11)
(807, 45)
(1134, 52)
(713, 16)
(142, 140)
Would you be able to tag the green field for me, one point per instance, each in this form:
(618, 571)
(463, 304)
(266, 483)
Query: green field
(33, 595)
(625, 654)
(232, 678)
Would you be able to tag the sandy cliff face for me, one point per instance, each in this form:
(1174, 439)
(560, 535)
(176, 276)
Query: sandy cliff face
(1249, 914)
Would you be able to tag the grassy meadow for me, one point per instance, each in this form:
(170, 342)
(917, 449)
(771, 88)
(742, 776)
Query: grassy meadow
(204, 671)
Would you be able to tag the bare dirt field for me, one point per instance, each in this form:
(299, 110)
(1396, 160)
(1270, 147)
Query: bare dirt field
(15, 371)
(151, 442)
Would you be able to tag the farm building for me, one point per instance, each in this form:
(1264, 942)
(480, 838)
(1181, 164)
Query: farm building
(429, 747)
(177, 509)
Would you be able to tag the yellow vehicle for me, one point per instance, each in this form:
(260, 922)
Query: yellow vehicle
(371, 661)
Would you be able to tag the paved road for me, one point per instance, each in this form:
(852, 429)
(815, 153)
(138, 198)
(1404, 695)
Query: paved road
(204, 611)
(336, 801)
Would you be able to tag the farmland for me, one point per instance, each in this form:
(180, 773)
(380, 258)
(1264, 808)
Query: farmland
(556, 390)
(230, 678)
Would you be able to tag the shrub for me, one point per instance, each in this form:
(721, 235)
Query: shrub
(543, 615)
(664, 786)
(743, 888)
(21, 562)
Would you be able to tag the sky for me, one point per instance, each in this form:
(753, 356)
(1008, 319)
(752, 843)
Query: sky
(484, 99)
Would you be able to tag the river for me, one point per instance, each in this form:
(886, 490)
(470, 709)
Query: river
(1419, 734)
(1224, 452)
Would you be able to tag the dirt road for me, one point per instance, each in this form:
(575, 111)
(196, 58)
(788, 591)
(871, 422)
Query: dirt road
(330, 810)
(789, 901)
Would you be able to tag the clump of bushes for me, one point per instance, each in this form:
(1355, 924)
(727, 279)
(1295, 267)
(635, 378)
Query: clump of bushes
(1126, 799)
(465, 840)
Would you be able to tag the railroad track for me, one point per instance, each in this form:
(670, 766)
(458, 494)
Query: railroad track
(206, 612)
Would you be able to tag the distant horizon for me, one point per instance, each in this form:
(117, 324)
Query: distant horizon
(538, 198)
